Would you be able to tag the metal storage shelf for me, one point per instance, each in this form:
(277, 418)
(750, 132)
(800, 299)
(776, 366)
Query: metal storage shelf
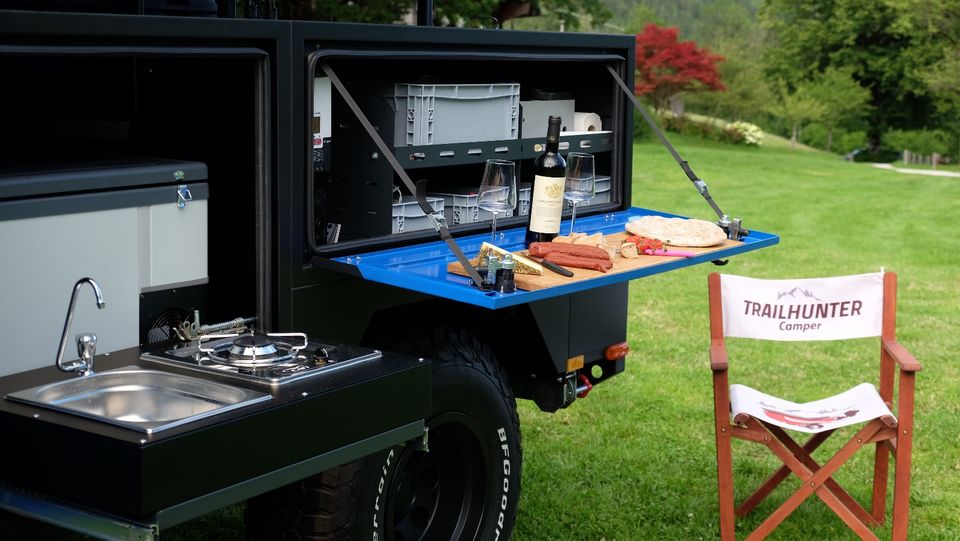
(441, 155)
(423, 267)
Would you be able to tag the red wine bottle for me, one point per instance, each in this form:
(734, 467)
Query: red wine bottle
(546, 195)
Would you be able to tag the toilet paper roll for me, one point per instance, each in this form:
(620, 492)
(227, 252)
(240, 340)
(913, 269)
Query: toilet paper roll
(587, 122)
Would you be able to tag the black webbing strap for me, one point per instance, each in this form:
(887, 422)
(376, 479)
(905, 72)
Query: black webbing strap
(697, 181)
(439, 223)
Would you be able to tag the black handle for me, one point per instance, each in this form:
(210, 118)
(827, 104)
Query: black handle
(556, 268)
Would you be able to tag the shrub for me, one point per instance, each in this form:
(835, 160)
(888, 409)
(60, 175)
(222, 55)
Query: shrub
(846, 142)
(640, 128)
(815, 135)
(732, 136)
(917, 141)
(745, 133)
(734, 133)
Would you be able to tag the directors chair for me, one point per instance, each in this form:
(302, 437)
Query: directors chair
(805, 310)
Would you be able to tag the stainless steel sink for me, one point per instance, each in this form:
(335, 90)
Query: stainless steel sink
(144, 400)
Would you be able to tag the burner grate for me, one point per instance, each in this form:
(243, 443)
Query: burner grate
(254, 350)
(262, 358)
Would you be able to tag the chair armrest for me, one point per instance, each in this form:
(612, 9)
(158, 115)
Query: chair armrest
(904, 358)
(718, 356)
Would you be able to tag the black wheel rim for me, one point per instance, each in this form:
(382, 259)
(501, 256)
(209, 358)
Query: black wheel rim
(440, 495)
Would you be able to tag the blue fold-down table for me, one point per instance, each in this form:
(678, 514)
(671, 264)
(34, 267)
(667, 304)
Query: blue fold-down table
(423, 267)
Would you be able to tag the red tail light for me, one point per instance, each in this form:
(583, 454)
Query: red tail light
(616, 351)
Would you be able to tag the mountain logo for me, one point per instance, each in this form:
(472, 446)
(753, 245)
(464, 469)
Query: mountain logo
(797, 291)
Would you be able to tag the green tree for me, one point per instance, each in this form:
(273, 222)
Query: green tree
(746, 95)
(796, 108)
(917, 141)
(728, 26)
(876, 40)
(940, 22)
(850, 141)
(568, 14)
(640, 16)
(369, 11)
(846, 102)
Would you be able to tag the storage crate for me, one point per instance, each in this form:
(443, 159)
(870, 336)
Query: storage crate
(523, 206)
(523, 200)
(602, 193)
(408, 216)
(450, 113)
(536, 113)
(460, 206)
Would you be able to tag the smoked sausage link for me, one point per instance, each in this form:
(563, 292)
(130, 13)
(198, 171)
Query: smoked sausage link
(542, 249)
(568, 260)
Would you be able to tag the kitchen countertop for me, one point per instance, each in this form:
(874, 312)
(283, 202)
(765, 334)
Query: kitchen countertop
(131, 473)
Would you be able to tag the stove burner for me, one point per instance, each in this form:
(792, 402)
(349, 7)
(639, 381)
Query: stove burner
(256, 350)
(270, 359)
(250, 346)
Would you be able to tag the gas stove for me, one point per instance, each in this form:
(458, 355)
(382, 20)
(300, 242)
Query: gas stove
(262, 358)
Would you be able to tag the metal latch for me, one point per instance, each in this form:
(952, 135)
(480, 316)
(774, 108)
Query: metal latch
(183, 195)
(438, 220)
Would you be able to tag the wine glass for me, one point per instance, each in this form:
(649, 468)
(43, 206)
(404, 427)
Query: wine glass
(580, 182)
(498, 190)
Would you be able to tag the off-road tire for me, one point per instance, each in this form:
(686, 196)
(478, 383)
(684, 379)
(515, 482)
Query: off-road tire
(465, 488)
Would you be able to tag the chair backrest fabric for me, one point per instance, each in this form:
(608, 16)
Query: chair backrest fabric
(834, 308)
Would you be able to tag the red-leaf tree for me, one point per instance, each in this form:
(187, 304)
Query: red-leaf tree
(667, 67)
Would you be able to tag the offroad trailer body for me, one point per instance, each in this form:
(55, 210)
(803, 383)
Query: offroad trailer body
(300, 240)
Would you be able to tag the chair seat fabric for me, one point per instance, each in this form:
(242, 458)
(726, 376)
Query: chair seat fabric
(854, 406)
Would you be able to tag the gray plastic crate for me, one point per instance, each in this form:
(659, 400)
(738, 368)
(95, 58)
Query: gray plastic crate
(408, 216)
(601, 195)
(523, 206)
(450, 113)
(523, 200)
(460, 205)
(536, 113)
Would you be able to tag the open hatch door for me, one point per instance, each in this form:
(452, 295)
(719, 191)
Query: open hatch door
(376, 149)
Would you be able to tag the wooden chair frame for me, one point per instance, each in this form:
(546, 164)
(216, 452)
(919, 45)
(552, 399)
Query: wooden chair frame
(890, 437)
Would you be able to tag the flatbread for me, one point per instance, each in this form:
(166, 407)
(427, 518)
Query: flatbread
(678, 231)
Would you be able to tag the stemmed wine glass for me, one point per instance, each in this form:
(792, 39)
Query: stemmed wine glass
(498, 190)
(580, 182)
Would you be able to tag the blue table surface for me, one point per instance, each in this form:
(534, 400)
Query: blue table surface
(423, 267)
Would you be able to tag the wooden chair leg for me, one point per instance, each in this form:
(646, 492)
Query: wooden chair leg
(901, 483)
(724, 457)
(881, 471)
(725, 485)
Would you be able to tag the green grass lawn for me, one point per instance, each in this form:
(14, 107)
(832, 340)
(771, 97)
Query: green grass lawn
(635, 460)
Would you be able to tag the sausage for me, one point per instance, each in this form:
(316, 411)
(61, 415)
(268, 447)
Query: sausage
(542, 249)
(568, 260)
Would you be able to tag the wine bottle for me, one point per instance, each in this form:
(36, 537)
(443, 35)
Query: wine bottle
(546, 195)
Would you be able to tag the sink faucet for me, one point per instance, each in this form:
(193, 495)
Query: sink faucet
(86, 342)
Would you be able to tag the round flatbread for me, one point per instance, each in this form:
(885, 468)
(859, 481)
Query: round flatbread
(678, 231)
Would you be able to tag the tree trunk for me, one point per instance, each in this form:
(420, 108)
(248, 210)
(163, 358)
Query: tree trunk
(829, 139)
(793, 136)
(676, 105)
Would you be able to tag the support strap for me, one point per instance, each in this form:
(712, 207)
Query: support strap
(439, 222)
(731, 226)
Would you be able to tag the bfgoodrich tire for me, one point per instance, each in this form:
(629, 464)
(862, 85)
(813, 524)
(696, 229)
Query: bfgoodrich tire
(465, 488)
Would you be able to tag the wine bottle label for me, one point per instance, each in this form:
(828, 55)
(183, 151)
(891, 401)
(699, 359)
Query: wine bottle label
(546, 204)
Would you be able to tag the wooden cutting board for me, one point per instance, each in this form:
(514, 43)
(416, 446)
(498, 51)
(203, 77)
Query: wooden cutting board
(532, 282)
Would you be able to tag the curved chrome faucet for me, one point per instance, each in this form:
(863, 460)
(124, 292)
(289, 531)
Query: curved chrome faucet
(87, 342)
